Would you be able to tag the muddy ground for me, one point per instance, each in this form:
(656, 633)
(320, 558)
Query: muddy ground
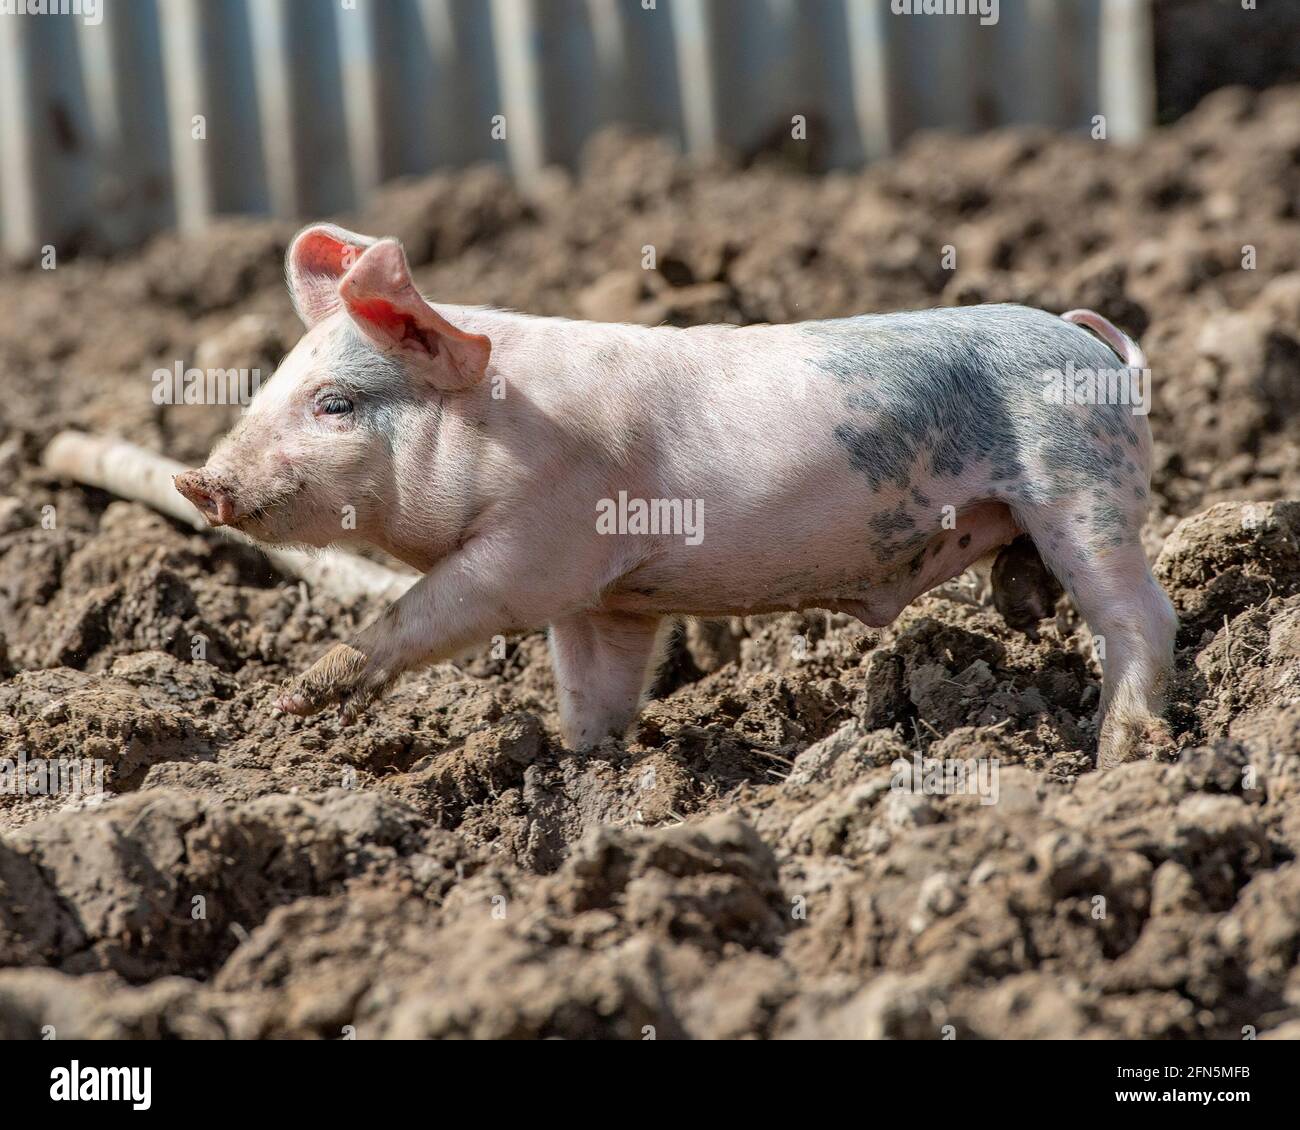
(740, 866)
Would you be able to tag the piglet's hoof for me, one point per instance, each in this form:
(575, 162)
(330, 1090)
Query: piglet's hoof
(1136, 740)
(342, 675)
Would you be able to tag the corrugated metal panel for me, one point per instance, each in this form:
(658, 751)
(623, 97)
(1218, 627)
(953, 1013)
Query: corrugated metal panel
(172, 111)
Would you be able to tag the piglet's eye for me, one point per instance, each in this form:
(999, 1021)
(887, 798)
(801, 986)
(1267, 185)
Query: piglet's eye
(333, 405)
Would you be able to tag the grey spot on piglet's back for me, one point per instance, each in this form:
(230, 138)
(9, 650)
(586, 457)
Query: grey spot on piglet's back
(947, 389)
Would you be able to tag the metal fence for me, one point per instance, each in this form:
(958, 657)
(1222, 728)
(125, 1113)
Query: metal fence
(122, 117)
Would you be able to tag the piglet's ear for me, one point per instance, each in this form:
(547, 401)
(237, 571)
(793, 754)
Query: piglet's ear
(318, 258)
(382, 300)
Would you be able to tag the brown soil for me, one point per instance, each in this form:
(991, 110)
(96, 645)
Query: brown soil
(740, 866)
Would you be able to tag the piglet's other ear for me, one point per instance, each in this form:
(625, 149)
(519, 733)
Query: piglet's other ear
(382, 300)
(318, 258)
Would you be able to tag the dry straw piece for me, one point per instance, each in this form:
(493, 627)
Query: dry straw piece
(144, 476)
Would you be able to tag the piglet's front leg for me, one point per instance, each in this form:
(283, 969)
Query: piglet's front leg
(446, 611)
(350, 674)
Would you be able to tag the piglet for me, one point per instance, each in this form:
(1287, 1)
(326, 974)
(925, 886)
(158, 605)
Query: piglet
(602, 479)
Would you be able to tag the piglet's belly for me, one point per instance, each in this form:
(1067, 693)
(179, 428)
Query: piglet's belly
(838, 569)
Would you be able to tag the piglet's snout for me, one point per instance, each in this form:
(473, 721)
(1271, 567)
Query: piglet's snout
(213, 500)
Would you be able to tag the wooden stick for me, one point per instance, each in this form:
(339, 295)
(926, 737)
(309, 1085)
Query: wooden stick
(144, 476)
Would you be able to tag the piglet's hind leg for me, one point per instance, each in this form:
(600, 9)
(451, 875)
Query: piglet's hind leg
(1132, 621)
